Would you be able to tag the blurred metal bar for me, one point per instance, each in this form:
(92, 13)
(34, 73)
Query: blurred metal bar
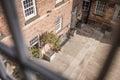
(10, 52)
(19, 52)
(113, 52)
(20, 49)
(47, 74)
(3, 73)
(34, 66)
(14, 27)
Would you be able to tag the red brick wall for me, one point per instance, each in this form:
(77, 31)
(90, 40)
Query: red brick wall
(108, 14)
(108, 11)
(46, 21)
(3, 25)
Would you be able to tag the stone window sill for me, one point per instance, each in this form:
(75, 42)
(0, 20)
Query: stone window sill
(59, 4)
(32, 19)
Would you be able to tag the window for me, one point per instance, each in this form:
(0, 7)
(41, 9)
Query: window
(100, 8)
(85, 5)
(34, 41)
(116, 15)
(58, 24)
(59, 1)
(119, 14)
(29, 8)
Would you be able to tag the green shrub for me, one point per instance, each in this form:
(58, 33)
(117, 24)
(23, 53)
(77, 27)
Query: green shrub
(49, 37)
(35, 52)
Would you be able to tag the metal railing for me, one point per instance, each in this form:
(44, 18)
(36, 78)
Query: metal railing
(19, 51)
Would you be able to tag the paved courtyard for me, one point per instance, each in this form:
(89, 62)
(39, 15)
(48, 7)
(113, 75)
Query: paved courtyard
(81, 58)
(73, 57)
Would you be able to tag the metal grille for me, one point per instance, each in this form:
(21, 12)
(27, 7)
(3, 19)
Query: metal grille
(19, 52)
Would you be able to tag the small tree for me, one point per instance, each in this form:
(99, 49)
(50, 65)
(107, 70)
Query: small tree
(51, 38)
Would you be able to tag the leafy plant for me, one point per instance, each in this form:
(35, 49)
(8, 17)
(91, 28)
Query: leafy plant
(71, 31)
(35, 52)
(78, 23)
(56, 46)
(51, 38)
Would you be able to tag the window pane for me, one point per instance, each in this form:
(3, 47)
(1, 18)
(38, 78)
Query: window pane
(58, 24)
(100, 7)
(29, 8)
(85, 5)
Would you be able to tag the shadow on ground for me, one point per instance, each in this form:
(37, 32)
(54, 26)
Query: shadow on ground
(97, 32)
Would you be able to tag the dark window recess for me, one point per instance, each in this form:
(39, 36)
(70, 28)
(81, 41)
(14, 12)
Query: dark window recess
(119, 14)
(34, 40)
(85, 5)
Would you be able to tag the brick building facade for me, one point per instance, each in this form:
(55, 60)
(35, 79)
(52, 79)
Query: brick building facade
(37, 17)
(101, 11)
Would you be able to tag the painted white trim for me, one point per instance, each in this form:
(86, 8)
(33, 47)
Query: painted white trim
(58, 1)
(34, 10)
(62, 5)
(52, 57)
(115, 16)
(34, 42)
(96, 6)
(59, 24)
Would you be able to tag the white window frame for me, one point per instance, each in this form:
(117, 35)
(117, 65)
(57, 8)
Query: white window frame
(34, 11)
(116, 13)
(99, 10)
(34, 40)
(85, 6)
(59, 24)
(58, 1)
